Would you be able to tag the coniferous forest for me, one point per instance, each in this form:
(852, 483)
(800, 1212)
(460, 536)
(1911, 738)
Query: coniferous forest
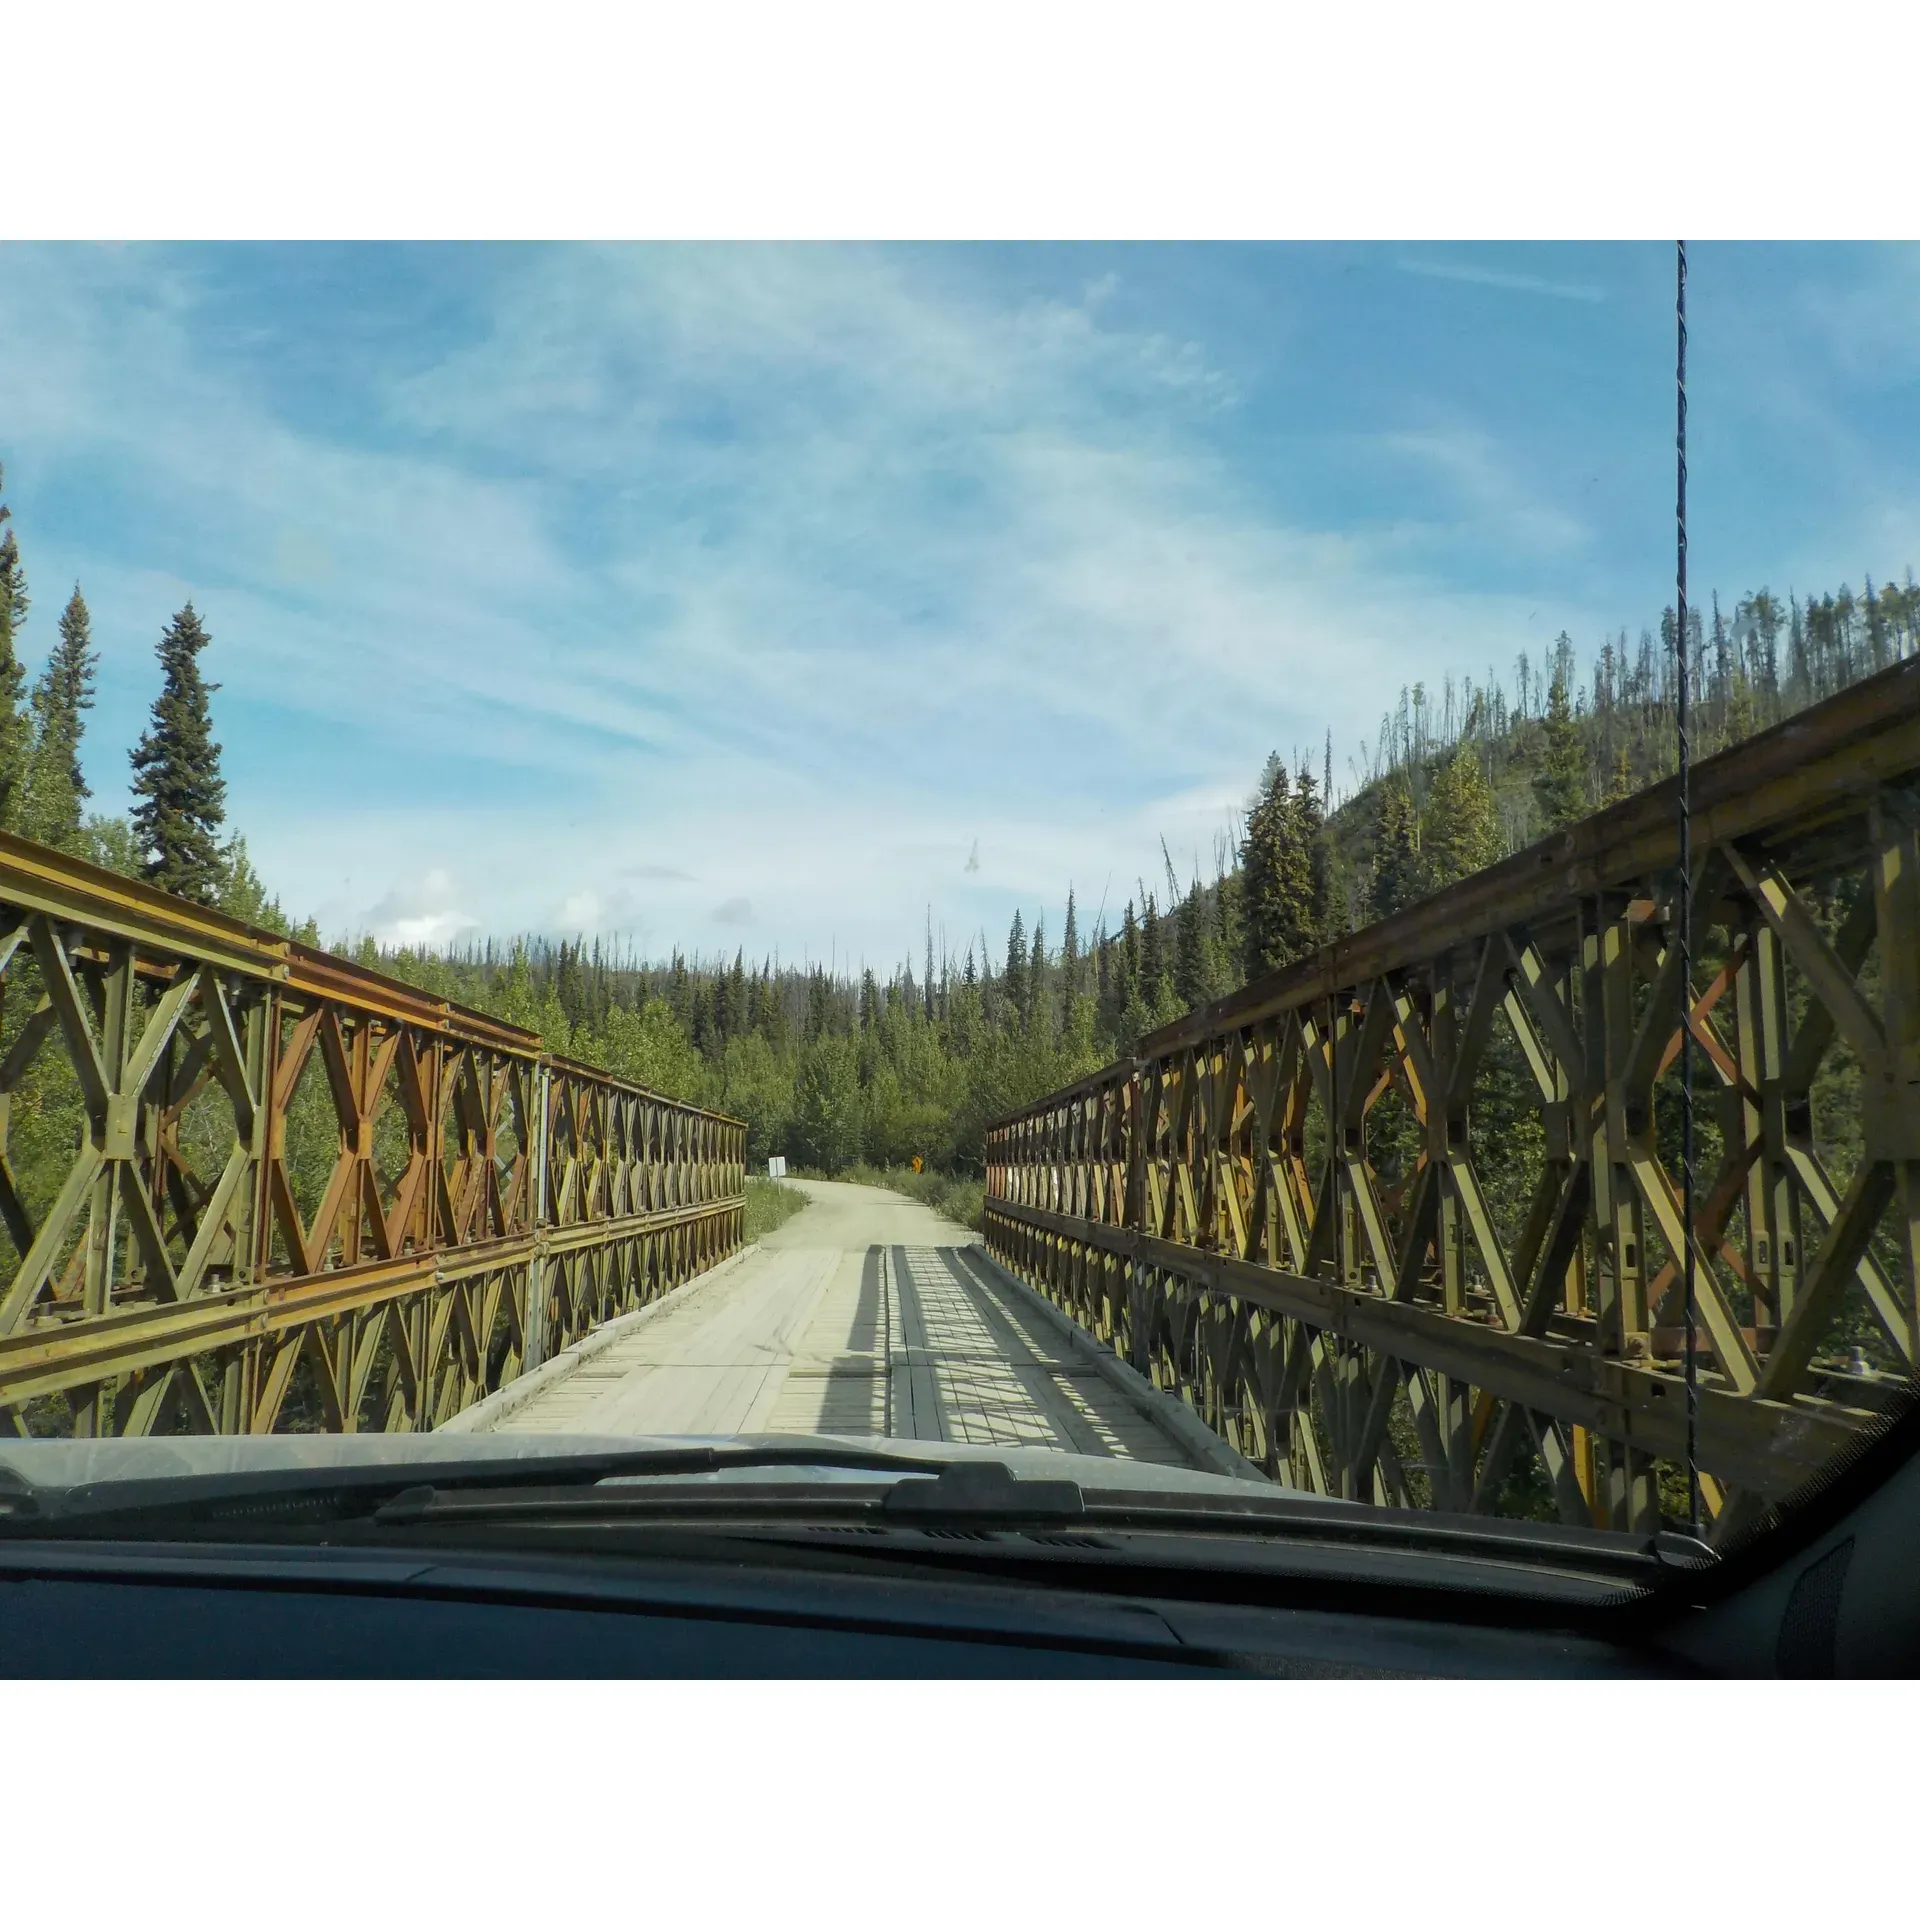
(835, 1071)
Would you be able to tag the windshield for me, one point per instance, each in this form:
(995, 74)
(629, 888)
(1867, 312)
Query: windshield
(944, 848)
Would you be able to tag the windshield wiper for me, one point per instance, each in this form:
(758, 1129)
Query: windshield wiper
(303, 1494)
(974, 1490)
(716, 1485)
(980, 1498)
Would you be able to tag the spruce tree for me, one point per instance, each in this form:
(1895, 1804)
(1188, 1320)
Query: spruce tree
(1261, 863)
(176, 773)
(1190, 952)
(1560, 784)
(1229, 938)
(769, 1008)
(1069, 968)
(819, 1005)
(1311, 828)
(1396, 857)
(1153, 959)
(1278, 916)
(1876, 627)
(15, 729)
(1037, 974)
(50, 805)
(1462, 832)
(1766, 620)
(566, 984)
(1016, 974)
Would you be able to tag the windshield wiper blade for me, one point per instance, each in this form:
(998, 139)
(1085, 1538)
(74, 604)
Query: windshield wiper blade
(974, 1490)
(297, 1495)
(1236, 1508)
(662, 1481)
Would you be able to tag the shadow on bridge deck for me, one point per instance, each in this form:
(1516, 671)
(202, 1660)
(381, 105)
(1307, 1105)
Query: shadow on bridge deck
(869, 1316)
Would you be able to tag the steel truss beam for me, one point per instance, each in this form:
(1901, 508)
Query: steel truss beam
(1401, 1221)
(246, 1185)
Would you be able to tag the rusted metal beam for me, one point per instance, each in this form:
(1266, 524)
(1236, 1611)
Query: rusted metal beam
(1527, 1273)
(287, 1189)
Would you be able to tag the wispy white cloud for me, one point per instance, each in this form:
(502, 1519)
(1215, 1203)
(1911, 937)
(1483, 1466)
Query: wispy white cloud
(725, 576)
(1478, 276)
(1485, 485)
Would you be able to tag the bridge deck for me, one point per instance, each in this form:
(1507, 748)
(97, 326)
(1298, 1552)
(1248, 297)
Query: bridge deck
(863, 1315)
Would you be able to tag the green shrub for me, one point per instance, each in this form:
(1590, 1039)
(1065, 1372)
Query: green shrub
(770, 1204)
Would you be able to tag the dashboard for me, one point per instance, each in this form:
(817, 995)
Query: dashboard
(197, 1610)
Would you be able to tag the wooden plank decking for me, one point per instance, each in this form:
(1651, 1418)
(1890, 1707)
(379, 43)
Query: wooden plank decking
(867, 1315)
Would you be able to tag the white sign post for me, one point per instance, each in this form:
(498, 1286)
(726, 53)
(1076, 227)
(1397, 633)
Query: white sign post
(777, 1167)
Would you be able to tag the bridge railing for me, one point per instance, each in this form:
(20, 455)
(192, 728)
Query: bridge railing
(246, 1186)
(1401, 1221)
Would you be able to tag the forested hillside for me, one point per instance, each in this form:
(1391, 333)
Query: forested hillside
(832, 1070)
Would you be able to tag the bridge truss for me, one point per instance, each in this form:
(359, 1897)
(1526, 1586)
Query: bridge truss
(1401, 1220)
(246, 1186)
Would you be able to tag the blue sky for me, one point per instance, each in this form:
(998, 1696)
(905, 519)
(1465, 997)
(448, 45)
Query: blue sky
(779, 595)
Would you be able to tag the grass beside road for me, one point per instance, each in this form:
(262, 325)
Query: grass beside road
(953, 1196)
(770, 1204)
